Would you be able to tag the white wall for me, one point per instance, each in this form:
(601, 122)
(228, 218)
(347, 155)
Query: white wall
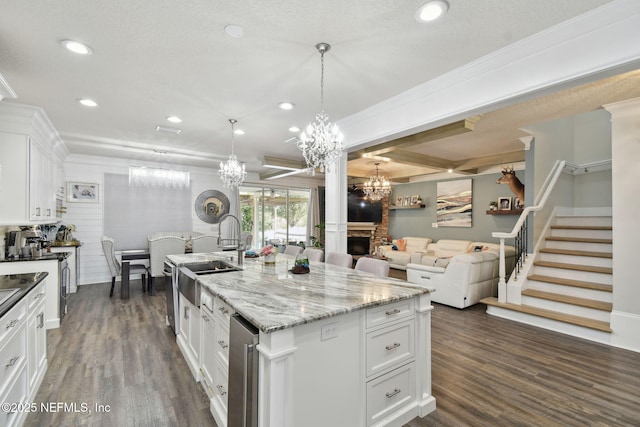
(88, 217)
(625, 319)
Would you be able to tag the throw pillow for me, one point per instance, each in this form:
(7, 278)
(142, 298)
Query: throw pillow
(478, 248)
(402, 245)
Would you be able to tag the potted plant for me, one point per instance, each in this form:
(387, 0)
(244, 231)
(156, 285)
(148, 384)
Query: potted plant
(269, 253)
(493, 205)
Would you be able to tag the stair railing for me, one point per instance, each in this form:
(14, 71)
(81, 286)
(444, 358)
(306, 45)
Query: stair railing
(519, 232)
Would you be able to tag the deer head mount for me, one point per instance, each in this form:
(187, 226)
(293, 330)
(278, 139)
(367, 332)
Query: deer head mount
(509, 177)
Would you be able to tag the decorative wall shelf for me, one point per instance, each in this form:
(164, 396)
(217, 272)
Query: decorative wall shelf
(505, 212)
(394, 207)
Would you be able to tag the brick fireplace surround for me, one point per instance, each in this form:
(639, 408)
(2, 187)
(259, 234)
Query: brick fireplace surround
(375, 231)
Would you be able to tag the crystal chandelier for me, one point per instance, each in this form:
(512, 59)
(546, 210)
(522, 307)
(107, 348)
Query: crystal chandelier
(377, 186)
(321, 142)
(232, 171)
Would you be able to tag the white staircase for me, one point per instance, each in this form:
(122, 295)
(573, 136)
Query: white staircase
(569, 286)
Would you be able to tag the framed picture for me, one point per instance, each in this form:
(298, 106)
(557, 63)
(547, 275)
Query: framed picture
(407, 200)
(414, 199)
(399, 201)
(454, 206)
(517, 203)
(504, 203)
(82, 192)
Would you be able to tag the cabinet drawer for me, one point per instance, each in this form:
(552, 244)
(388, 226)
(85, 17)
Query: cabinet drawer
(390, 346)
(222, 342)
(221, 388)
(37, 295)
(223, 311)
(13, 356)
(390, 392)
(12, 320)
(380, 315)
(17, 393)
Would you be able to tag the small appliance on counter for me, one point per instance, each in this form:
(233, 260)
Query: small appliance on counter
(24, 243)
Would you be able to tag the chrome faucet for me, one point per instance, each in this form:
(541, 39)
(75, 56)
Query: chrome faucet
(239, 244)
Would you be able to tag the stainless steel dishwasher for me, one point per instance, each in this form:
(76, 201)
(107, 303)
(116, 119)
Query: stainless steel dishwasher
(243, 373)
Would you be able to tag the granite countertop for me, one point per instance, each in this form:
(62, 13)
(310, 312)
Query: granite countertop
(44, 257)
(23, 283)
(272, 298)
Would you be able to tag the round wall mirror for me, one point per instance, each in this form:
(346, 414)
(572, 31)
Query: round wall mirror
(211, 205)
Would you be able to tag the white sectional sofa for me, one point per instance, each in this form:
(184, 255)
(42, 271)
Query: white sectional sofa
(461, 271)
(415, 247)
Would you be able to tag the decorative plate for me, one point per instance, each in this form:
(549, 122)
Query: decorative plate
(211, 205)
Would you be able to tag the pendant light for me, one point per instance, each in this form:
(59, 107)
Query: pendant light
(232, 171)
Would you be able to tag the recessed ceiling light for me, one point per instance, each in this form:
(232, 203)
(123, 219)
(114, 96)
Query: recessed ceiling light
(168, 129)
(432, 10)
(286, 105)
(77, 47)
(294, 129)
(234, 31)
(174, 119)
(88, 102)
(238, 132)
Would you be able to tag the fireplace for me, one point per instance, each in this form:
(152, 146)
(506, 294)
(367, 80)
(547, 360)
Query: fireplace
(358, 245)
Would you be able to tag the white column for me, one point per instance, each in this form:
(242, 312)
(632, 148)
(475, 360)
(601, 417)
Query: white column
(625, 176)
(336, 206)
(426, 402)
(275, 385)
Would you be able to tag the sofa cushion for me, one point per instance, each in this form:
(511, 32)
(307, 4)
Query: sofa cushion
(402, 245)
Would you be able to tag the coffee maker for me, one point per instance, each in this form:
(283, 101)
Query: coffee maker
(17, 241)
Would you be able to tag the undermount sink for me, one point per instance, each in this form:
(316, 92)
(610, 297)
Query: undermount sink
(188, 274)
(5, 294)
(210, 267)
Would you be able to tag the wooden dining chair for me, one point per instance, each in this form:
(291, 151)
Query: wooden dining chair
(116, 268)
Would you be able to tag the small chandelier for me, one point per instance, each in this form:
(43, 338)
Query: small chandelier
(232, 171)
(377, 186)
(321, 142)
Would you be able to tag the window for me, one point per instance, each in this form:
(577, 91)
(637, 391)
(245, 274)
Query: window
(276, 216)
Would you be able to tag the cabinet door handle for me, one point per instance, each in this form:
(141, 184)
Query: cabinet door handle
(40, 295)
(223, 310)
(186, 313)
(13, 361)
(221, 390)
(48, 211)
(37, 211)
(392, 346)
(390, 394)
(392, 312)
(206, 318)
(223, 344)
(41, 316)
(425, 277)
(12, 323)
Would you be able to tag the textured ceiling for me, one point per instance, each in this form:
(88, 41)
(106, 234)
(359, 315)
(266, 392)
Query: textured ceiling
(158, 58)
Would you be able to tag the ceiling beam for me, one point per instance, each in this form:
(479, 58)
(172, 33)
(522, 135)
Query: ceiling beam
(494, 160)
(452, 129)
(423, 160)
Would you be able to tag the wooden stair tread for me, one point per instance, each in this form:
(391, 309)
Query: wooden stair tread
(578, 239)
(576, 267)
(571, 282)
(577, 253)
(549, 314)
(568, 299)
(582, 227)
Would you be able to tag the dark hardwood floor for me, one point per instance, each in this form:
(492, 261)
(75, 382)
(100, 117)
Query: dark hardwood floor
(486, 371)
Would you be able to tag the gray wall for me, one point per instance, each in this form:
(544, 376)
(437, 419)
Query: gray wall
(417, 222)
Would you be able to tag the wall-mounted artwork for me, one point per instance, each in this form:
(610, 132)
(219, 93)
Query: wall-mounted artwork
(454, 203)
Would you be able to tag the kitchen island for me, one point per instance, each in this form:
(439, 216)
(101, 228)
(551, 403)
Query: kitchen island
(336, 346)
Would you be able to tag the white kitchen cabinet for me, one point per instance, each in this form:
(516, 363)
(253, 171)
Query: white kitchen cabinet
(188, 339)
(26, 181)
(13, 362)
(208, 353)
(36, 335)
